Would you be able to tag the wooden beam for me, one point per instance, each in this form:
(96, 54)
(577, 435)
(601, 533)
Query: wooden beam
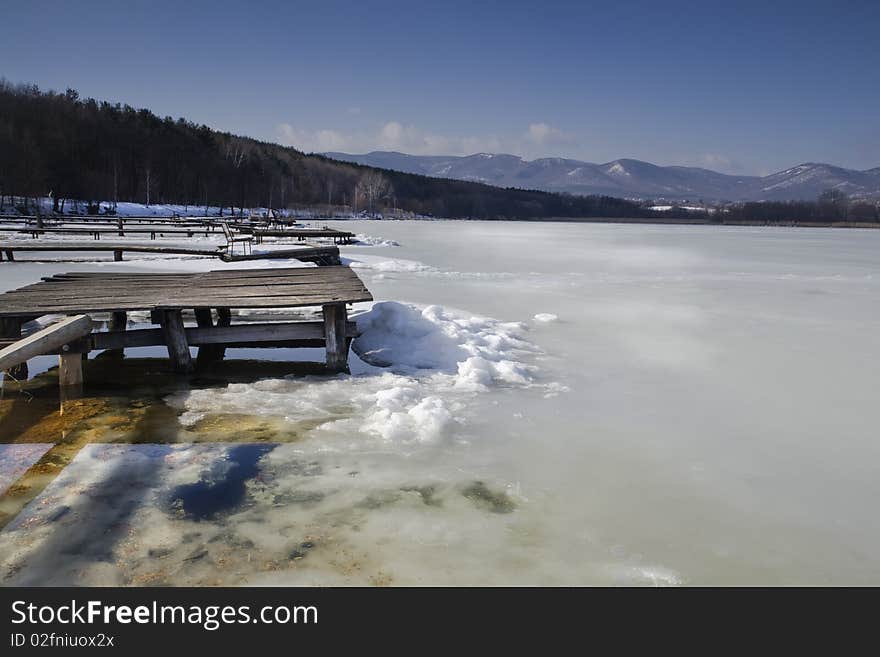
(317, 254)
(335, 316)
(222, 335)
(45, 340)
(175, 339)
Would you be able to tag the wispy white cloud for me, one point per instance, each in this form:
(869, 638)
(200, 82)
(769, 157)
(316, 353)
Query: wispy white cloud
(718, 162)
(317, 141)
(397, 136)
(543, 133)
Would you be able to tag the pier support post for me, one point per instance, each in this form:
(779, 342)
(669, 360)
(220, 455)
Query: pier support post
(118, 322)
(224, 318)
(207, 353)
(10, 327)
(70, 370)
(335, 316)
(175, 338)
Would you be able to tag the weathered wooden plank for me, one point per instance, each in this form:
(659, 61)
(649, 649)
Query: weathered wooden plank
(275, 302)
(187, 297)
(310, 254)
(188, 300)
(304, 274)
(291, 287)
(224, 274)
(55, 288)
(59, 285)
(110, 305)
(45, 340)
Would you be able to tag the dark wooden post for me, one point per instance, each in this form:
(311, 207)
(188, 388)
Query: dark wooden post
(335, 316)
(224, 317)
(10, 327)
(117, 256)
(118, 322)
(175, 338)
(207, 353)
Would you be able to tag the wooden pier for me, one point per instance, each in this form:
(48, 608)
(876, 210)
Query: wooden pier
(166, 296)
(338, 236)
(97, 231)
(321, 255)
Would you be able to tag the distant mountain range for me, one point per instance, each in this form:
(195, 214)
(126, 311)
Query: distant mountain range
(629, 178)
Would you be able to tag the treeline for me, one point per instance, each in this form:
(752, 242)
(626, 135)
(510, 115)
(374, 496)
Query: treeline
(832, 206)
(71, 148)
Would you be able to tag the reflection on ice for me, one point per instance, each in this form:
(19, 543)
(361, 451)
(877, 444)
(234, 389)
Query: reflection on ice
(16, 459)
(199, 514)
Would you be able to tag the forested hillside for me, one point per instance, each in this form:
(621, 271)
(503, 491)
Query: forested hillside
(74, 148)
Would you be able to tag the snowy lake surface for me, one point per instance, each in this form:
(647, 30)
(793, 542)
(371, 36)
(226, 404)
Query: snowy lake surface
(529, 403)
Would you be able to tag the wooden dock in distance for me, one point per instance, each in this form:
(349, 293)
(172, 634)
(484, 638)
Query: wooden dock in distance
(338, 236)
(208, 294)
(321, 255)
(97, 231)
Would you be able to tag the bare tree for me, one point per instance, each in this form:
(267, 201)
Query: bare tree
(329, 196)
(373, 186)
(148, 181)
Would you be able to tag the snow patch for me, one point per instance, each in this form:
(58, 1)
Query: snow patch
(387, 265)
(422, 367)
(368, 240)
(479, 350)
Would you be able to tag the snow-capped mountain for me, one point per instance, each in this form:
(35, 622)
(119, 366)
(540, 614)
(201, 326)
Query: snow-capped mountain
(629, 178)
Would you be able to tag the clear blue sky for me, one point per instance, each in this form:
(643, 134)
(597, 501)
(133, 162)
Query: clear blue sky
(747, 87)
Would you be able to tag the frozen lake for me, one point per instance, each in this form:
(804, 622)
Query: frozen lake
(563, 404)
